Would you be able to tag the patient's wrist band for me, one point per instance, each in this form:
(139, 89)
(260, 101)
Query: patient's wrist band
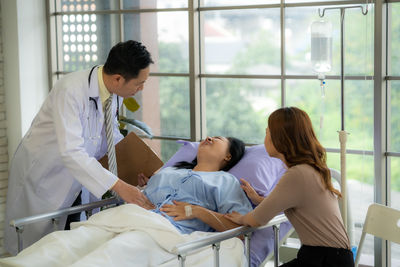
(188, 211)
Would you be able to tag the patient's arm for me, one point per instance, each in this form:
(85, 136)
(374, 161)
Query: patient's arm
(214, 219)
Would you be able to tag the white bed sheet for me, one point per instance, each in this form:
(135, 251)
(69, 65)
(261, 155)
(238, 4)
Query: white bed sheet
(123, 236)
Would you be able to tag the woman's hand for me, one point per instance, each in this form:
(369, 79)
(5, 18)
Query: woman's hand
(239, 219)
(178, 210)
(250, 192)
(142, 179)
(235, 217)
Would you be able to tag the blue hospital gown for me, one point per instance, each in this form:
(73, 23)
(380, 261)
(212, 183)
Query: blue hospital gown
(217, 191)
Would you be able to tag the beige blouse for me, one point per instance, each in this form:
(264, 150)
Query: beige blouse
(312, 209)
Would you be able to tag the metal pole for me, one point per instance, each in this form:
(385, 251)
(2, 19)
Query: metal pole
(247, 248)
(215, 248)
(342, 133)
(276, 245)
(55, 222)
(181, 260)
(381, 182)
(19, 232)
(342, 13)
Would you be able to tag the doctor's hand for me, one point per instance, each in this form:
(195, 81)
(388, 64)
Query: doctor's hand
(250, 192)
(131, 194)
(178, 210)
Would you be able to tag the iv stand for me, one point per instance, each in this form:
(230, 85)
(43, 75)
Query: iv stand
(342, 133)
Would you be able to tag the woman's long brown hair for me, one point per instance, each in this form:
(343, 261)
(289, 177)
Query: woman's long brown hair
(292, 135)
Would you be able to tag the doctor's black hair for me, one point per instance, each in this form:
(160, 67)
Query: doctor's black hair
(127, 59)
(236, 149)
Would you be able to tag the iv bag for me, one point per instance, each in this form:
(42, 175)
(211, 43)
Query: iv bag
(321, 46)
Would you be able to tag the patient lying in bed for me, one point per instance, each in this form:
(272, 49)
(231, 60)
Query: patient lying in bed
(205, 190)
(116, 235)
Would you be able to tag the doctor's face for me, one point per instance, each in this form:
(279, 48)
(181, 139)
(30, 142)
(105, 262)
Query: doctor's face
(130, 88)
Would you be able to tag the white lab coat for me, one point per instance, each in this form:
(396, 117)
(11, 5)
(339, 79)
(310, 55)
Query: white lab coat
(58, 155)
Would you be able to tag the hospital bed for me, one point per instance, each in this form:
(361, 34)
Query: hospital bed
(263, 173)
(182, 250)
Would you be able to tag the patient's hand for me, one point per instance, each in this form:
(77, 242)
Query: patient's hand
(177, 211)
(142, 179)
(250, 192)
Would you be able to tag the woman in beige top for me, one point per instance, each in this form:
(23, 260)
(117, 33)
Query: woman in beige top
(305, 193)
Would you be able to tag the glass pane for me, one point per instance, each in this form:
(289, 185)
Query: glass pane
(395, 182)
(298, 39)
(394, 42)
(167, 39)
(164, 148)
(395, 201)
(85, 40)
(395, 254)
(209, 3)
(85, 5)
(360, 187)
(165, 106)
(240, 107)
(131, 4)
(359, 114)
(324, 112)
(248, 38)
(394, 116)
(359, 42)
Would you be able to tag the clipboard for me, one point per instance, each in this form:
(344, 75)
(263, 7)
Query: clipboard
(134, 156)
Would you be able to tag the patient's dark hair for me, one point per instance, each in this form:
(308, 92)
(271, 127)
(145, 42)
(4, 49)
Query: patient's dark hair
(236, 149)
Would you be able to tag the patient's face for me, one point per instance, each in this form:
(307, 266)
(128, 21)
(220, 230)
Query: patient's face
(214, 149)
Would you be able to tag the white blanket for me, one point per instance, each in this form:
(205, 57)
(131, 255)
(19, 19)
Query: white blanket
(123, 236)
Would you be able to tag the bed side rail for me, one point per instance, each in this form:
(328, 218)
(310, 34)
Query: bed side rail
(184, 249)
(19, 224)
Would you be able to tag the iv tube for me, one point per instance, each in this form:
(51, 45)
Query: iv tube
(321, 56)
(321, 78)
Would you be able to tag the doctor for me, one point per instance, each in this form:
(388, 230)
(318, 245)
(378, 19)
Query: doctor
(59, 153)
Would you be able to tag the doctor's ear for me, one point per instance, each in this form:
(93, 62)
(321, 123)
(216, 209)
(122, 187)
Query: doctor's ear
(117, 78)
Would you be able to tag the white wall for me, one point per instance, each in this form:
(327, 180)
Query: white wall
(23, 65)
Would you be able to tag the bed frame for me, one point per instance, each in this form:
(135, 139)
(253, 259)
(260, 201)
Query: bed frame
(181, 250)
